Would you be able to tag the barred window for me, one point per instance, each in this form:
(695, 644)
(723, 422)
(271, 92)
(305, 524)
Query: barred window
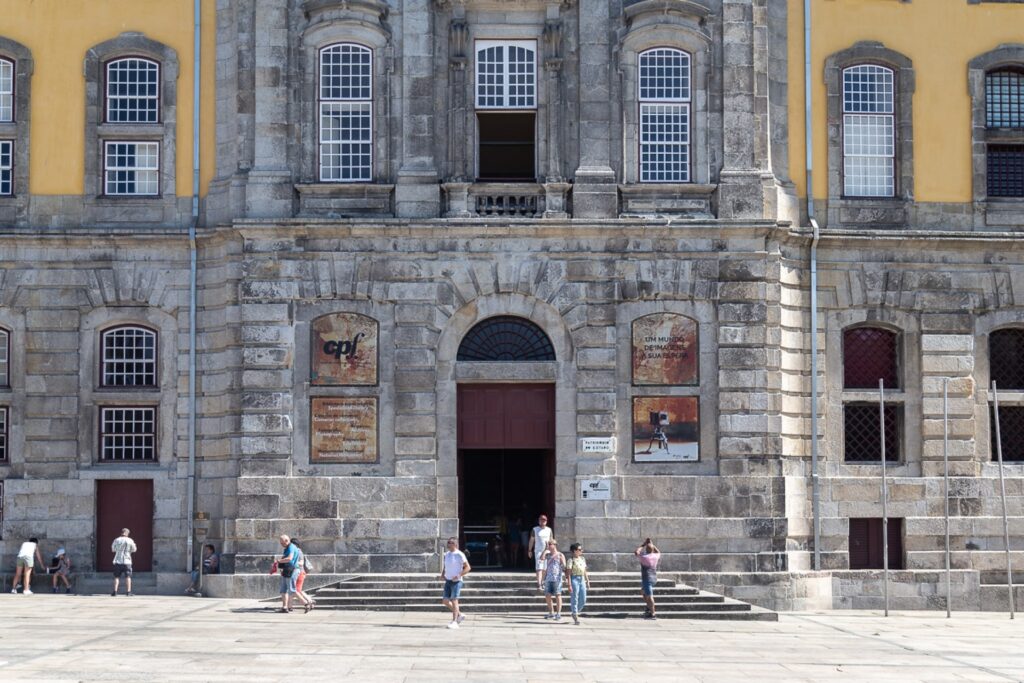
(346, 113)
(128, 434)
(132, 168)
(129, 357)
(1005, 170)
(6, 167)
(1011, 432)
(6, 90)
(862, 434)
(870, 354)
(4, 414)
(5, 358)
(133, 91)
(506, 74)
(1006, 358)
(869, 141)
(1004, 99)
(664, 95)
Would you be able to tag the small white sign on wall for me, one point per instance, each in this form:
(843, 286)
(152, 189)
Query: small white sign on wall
(599, 444)
(596, 489)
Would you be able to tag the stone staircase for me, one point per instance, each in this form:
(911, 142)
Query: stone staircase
(611, 595)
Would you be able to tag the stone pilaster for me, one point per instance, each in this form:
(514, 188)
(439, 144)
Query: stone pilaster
(948, 352)
(595, 193)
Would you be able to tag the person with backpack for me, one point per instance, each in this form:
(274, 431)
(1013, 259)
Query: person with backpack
(288, 564)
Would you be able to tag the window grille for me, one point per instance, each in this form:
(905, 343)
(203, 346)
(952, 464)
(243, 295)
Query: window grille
(1006, 358)
(870, 354)
(129, 357)
(6, 90)
(5, 358)
(862, 441)
(664, 95)
(128, 434)
(1005, 170)
(346, 113)
(506, 338)
(506, 74)
(133, 91)
(4, 414)
(1011, 432)
(132, 168)
(6, 167)
(865, 546)
(869, 141)
(1004, 99)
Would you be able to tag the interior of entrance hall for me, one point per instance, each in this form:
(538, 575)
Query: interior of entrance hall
(501, 493)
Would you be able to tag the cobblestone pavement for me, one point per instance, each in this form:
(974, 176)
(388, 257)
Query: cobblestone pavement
(86, 638)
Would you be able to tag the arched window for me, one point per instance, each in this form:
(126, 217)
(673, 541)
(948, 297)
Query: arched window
(869, 140)
(664, 96)
(133, 91)
(346, 113)
(1004, 125)
(506, 338)
(870, 354)
(129, 357)
(6, 91)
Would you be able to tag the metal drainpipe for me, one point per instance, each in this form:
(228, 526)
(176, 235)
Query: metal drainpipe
(809, 148)
(196, 73)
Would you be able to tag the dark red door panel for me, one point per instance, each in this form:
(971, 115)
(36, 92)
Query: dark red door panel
(506, 416)
(124, 503)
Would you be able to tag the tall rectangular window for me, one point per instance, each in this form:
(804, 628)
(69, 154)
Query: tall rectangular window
(4, 414)
(506, 102)
(131, 168)
(346, 113)
(6, 91)
(128, 434)
(5, 358)
(133, 91)
(664, 96)
(129, 357)
(869, 140)
(6, 167)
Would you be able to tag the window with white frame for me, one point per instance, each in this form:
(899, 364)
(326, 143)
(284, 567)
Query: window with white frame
(6, 167)
(5, 358)
(128, 434)
(506, 74)
(6, 90)
(133, 91)
(1004, 125)
(129, 357)
(664, 95)
(131, 168)
(346, 113)
(869, 143)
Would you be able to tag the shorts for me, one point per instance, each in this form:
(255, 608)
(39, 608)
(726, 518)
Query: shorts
(552, 588)
(647, 585)
(540, 563)
(299, 581)
(288, 583)
(26, 562)
(122, 570)
(452, 589)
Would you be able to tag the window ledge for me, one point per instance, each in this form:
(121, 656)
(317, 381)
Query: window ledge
(878, 212)
(340, 200)
(1006, 212)
(687, 199)
(130, 131)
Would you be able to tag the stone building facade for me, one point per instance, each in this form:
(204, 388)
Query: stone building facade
(428, 167)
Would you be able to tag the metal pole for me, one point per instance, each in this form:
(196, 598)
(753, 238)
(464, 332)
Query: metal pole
(1002, 494)
(945, 461)
(885, 496)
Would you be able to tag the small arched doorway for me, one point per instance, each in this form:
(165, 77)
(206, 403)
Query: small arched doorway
(506, 442)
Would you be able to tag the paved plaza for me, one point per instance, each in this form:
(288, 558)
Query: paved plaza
(89, 638)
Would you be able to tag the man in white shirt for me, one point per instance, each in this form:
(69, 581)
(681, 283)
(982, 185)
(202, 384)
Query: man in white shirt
(539, 538)
(456, 566)
(123, 547)
(27, 555)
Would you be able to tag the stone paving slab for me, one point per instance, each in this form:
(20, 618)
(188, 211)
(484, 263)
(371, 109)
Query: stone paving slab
(65, 638)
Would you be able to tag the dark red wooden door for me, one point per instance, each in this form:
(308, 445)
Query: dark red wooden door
(866, 551)
(495, 416)
(124, 503)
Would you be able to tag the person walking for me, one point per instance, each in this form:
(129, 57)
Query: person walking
(579, 581)
(536, 547)
(288, 564)
(649, 555)
(554, 574)
(123, 547)
(304, 567)
(455, 566)
(62, 570)
(24, 564)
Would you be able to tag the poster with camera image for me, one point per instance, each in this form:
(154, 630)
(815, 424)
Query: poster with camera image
(666, 429)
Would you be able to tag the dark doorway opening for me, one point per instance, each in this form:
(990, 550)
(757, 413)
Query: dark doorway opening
(501, 493)
(124, 503)
(506, 146)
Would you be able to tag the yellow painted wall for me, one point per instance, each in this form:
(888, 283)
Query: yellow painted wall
(59, 32)
(940, 37)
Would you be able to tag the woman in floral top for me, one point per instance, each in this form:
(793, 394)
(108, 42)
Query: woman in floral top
(554, 575)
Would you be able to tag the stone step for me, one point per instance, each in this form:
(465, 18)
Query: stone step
(526, 602)
(484, 606)
(508, 594)
(474, 584)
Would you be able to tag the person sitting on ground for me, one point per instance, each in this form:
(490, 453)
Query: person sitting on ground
(211, 565)
(61, 569)
(27, 556)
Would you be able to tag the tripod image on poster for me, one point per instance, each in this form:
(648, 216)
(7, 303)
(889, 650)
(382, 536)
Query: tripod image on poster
(659, 420)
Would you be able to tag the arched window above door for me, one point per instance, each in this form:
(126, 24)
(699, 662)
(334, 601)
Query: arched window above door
(506, 338)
